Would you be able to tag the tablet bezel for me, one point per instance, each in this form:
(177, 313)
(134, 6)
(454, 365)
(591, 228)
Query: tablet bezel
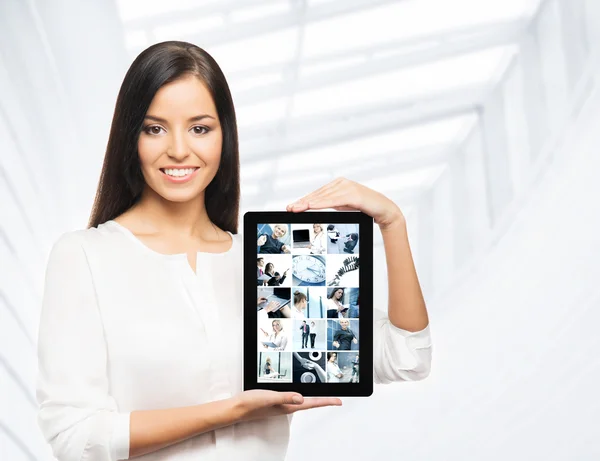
(364, 387)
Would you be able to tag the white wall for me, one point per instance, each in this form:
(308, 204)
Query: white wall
(516, 368)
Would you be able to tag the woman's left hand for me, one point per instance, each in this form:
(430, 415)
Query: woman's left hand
(346, 195)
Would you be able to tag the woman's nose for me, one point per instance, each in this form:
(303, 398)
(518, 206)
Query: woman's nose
(178, 148)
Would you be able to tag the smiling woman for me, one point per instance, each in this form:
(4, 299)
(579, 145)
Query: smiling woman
(174, 135)
(152, 287)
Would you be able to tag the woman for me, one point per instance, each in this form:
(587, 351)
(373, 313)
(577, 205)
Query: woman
(344, 336)
(269, 370)
(155, 282)
(318, 244)
(333, 370)
(299, 306)
(335, 308)
(278, 337)
(276, 278)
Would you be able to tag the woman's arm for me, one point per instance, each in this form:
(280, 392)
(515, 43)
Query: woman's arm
(402, 341)
(151, 430)
(406, 306)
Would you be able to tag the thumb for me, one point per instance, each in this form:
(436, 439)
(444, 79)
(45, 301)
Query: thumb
(289, 398)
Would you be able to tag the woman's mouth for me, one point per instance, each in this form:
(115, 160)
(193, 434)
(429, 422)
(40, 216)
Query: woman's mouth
(179, 175)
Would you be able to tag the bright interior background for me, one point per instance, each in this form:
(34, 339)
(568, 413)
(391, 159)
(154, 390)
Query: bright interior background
(478, 117)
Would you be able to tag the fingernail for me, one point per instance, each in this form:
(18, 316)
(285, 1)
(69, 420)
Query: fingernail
(297, 399)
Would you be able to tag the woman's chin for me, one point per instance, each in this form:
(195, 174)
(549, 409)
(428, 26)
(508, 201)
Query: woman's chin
(180, 196)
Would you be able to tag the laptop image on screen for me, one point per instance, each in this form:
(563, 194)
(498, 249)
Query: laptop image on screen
(301, 238)
(281, 295)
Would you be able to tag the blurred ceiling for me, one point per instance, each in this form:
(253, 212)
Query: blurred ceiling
(320, 86)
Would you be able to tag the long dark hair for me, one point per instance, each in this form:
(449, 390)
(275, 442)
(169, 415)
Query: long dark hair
(334, 291)
(121, 181)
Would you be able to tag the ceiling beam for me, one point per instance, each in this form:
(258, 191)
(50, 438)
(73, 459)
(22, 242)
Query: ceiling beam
(257, 201)
(276, 139)
(393, 56)
(233, 31)
(370, 167)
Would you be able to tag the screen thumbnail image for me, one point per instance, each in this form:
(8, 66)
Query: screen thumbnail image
(309, 239)
(274, 334)
(342, 303)
(342, 367)
(274, 367)
(343, 239)
(342, 271)
(273, 239)
(273, 270)
(309, 334)
(309, 302)
(308, 270)
(342, 335)
(309, 367)
(273, 302)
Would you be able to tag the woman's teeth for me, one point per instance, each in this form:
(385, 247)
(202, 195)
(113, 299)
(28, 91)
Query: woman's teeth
(178, 173)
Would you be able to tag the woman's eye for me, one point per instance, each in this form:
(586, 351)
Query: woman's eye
(153, 129)
(197, 128)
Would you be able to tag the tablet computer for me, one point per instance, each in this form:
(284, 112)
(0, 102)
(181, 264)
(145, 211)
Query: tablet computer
(319, 267)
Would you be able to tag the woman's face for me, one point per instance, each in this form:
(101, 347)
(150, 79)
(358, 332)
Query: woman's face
(181, 129)
(303, 303)
(279, 231)
(276, 326)
(317, 228)
(269, 268)
(333, 357)
(339, 294)
(344, 324)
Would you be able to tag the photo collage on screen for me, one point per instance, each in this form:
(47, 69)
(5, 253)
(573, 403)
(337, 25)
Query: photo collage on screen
(308, 303)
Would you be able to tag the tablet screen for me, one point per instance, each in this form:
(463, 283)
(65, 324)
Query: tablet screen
(308, 303)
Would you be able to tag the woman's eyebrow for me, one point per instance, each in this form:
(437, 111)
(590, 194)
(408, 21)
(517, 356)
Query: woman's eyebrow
(197, 118)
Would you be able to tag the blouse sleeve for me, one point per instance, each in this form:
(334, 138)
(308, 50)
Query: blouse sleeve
(77, 415)
(400, 355)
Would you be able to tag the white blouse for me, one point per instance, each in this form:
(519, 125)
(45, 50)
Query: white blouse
(124, 328)
(280, 341)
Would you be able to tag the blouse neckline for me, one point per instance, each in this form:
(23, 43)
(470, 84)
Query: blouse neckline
(125, 231)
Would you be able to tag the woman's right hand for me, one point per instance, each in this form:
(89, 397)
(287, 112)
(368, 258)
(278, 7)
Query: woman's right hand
(261, 240)
(259, 404)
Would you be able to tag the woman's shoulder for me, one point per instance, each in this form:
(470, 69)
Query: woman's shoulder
(88, 239)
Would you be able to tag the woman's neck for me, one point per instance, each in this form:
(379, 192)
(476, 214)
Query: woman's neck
(188, 218)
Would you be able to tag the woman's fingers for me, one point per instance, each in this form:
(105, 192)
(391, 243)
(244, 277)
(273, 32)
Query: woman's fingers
(302, 201)
(317, 402)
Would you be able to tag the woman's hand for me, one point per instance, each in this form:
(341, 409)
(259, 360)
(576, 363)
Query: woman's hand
(261, 240)
(335, 344)
(346, 195)
(355, 341)
(259, 404)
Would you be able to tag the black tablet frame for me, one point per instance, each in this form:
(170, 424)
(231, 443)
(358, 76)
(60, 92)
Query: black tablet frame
(364, 387)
